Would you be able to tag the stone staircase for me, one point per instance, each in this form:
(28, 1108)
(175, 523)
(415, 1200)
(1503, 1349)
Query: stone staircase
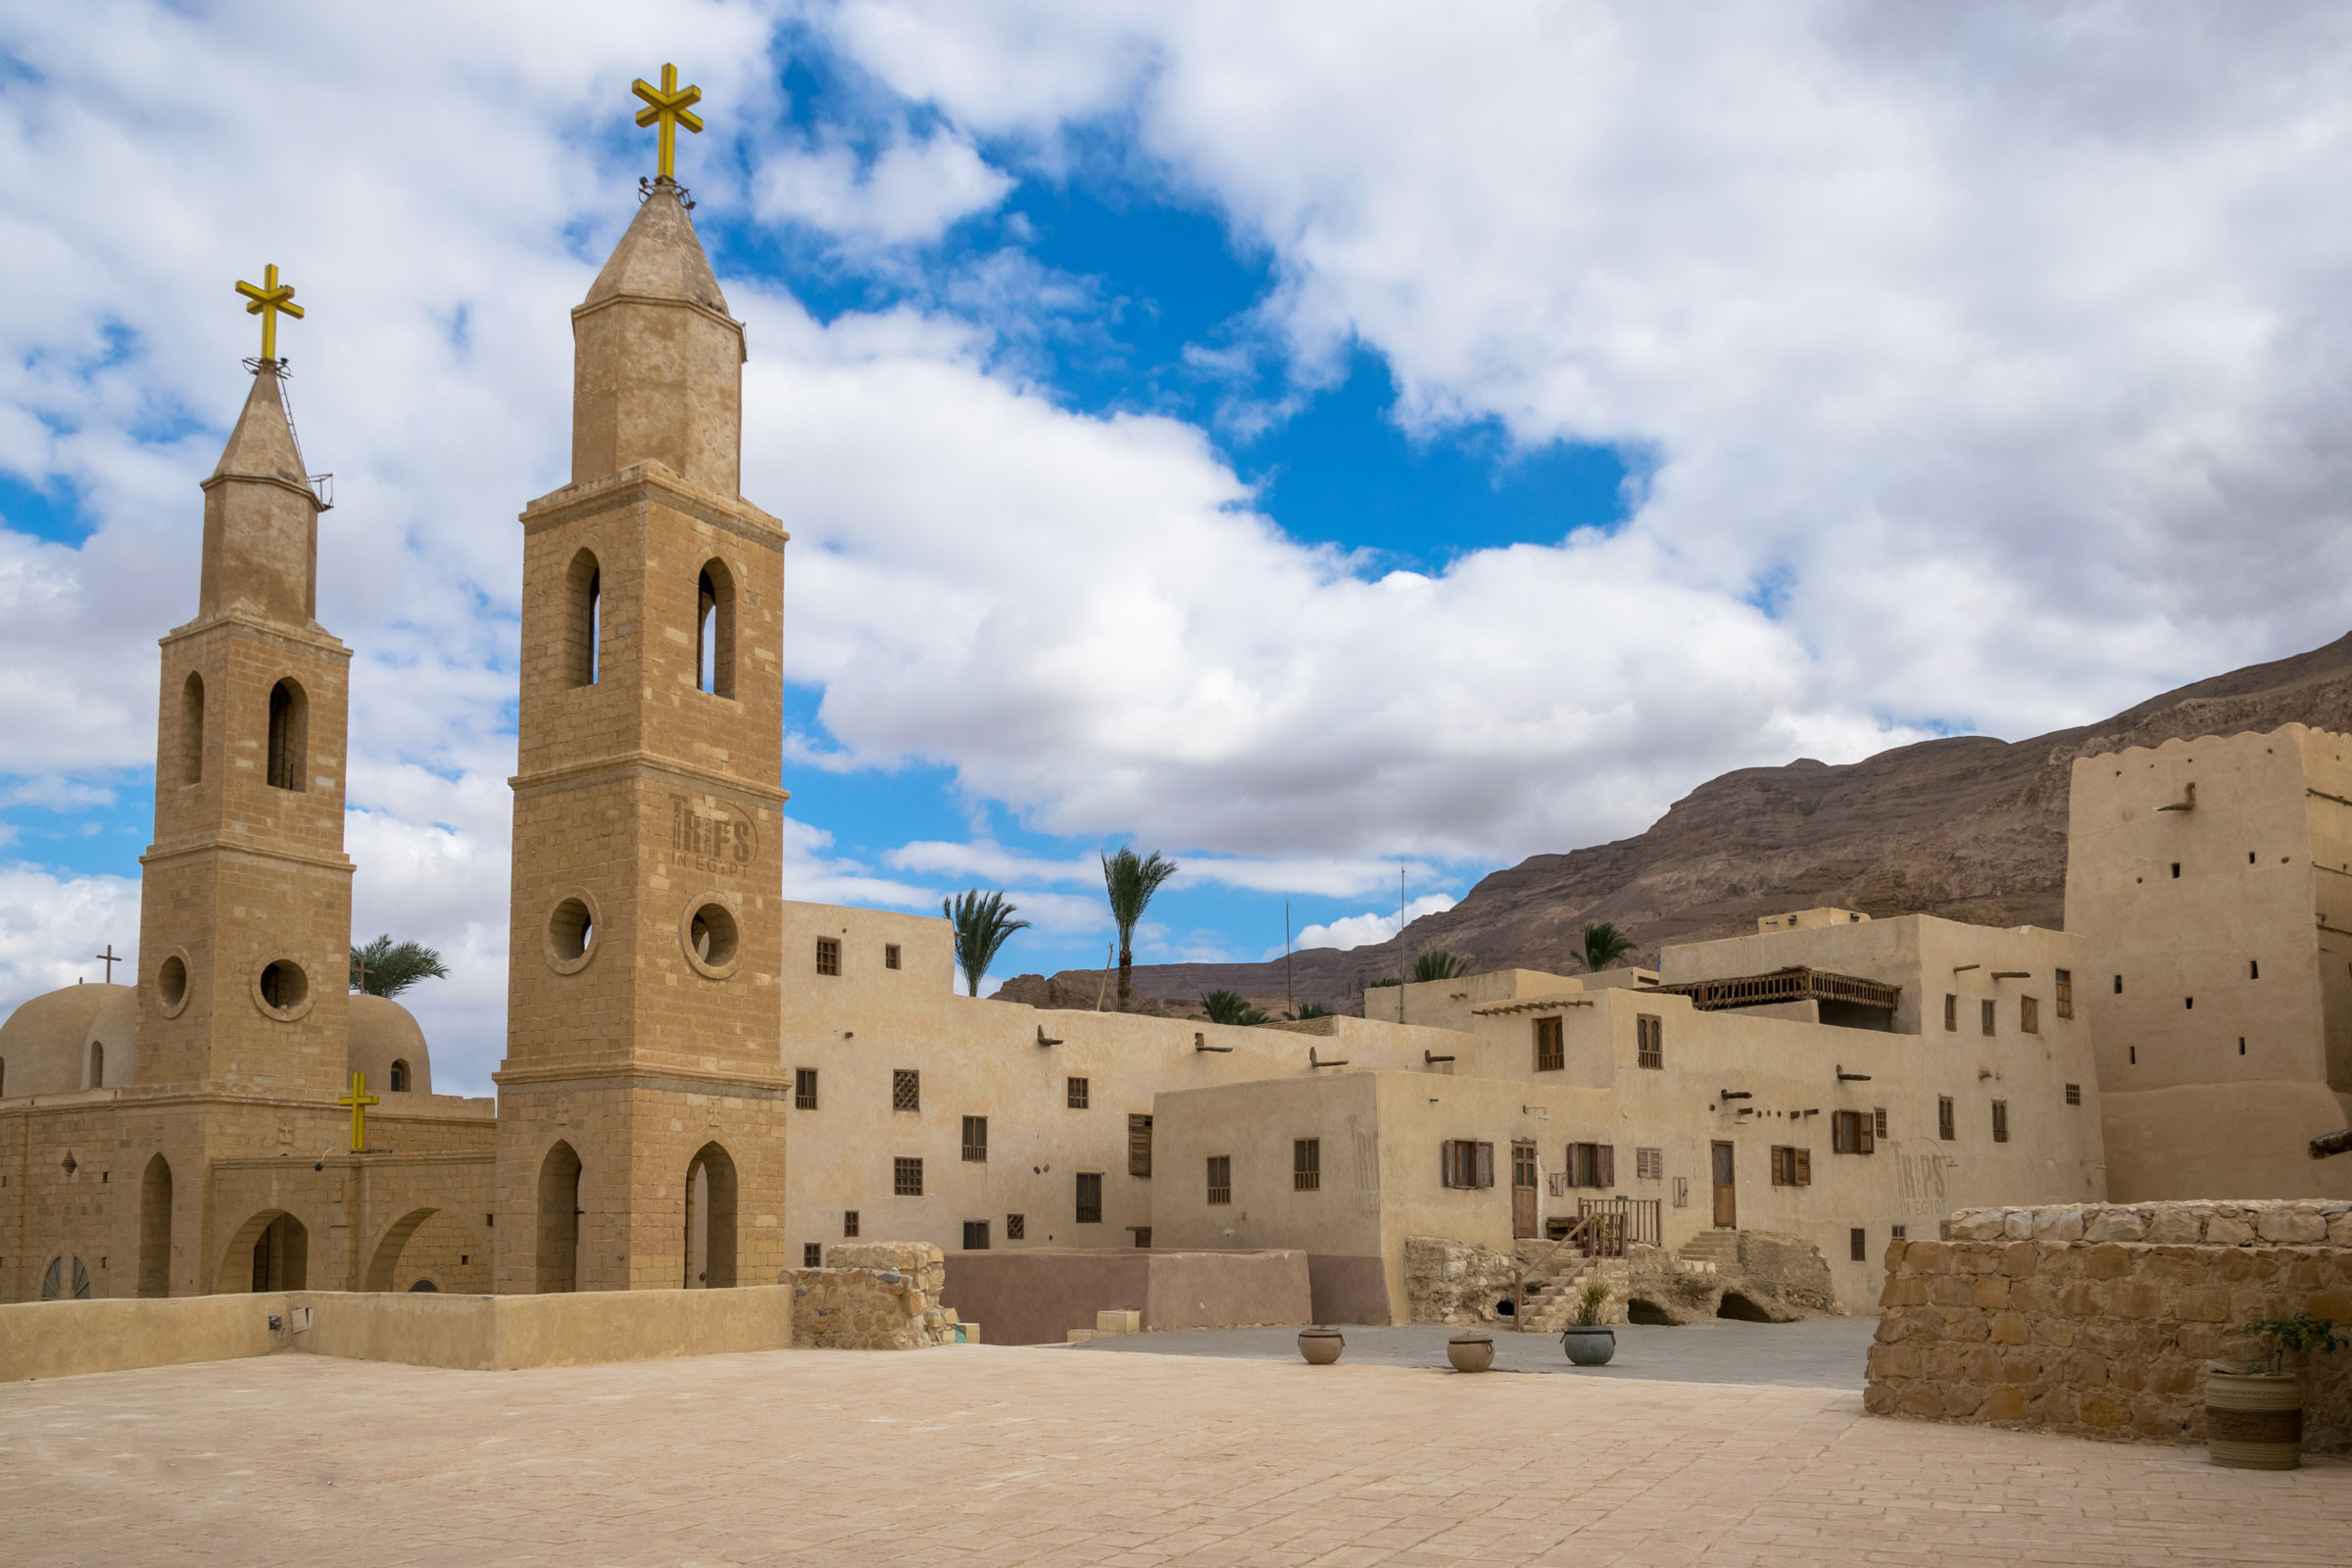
(1711, 1251)
(1556, 1278)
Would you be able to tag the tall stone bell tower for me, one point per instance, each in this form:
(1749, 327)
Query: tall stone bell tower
(641, 1103)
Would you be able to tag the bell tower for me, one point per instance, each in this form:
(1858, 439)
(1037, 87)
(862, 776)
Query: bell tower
(641, 1102)
(245, 913)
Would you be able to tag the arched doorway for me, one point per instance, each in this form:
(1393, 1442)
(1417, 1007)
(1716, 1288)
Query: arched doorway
(559, 1241)
(154, 1228)
(270, 1252)
(711, 1219)
(428, 1249)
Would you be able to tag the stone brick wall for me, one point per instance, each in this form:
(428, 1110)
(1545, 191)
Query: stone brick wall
(2101, 1320)
(876, 1295)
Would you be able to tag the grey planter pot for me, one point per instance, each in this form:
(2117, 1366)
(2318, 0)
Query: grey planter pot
(1321, 1346)
(1471, 1353)
(1590, 1346)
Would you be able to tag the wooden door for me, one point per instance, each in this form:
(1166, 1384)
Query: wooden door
(1727, 1204)
(1523, 1189)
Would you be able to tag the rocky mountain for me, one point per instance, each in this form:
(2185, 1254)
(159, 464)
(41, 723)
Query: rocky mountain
(1970, 827)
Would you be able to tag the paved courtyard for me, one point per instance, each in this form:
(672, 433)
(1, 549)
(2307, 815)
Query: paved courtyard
(989, 1455)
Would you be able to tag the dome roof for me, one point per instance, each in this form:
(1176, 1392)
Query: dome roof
(41, 1045)
(383, 1032)
(113, 1032)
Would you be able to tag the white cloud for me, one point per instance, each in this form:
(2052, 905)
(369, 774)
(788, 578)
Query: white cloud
(51, 925)
(913, 192)
(1359, 930)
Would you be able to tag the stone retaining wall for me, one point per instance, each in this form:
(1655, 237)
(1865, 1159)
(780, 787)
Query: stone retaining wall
(2101, 1319)
(877, 1296)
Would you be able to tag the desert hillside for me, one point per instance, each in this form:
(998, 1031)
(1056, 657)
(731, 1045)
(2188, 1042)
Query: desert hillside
(1970, 827)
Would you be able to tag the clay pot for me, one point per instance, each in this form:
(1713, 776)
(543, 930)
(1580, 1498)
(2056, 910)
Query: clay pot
(1589, 1344)
(1471, 1353)
(1321, 1346)
(2253, 1420)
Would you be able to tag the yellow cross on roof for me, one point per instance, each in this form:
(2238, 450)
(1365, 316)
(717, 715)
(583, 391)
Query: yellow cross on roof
(268, 300)
(669, 105)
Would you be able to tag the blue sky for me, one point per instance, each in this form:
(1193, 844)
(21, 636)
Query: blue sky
(1306, 440)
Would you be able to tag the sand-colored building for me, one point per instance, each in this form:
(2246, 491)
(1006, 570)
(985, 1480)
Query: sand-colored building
(1720, 1099)
(2212, 881)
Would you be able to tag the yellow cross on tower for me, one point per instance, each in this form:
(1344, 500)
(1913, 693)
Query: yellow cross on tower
(358, 1099)
(670, 106)
(266, 301)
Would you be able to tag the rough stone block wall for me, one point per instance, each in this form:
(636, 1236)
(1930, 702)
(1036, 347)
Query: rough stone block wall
(877, 1296)
(2101, 1320)
(1457, 1283)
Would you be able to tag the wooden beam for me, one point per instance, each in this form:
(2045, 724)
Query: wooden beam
(2332, 1144)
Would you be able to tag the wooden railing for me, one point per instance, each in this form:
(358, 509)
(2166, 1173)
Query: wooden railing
(1606, 1226)
(1794, 984)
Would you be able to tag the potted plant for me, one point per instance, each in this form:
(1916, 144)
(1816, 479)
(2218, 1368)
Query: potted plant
(1589, 1340)
(1321, 1346)
(2254, 1419)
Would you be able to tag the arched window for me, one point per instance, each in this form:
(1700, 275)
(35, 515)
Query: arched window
(97, 1064)
(290, 736)
(559, 1239)
(714, 627)
(583, 620)
(154, 1228)
(400, 1077)
(711, 1219)
(191, 730)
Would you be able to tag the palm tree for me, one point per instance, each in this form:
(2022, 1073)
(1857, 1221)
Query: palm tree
(1230, 1006)
(385, 967)
(1130, 881)
(1439, 966)
(1308, 1009)
(983, 923)
(1604, 944)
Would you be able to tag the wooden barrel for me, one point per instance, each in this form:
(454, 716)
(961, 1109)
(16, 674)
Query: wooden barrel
(2253, 1420)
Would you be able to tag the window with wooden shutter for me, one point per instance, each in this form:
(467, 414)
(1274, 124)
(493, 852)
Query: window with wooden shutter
(2066, 992)
(1859, 1241)
(906, 1089)
(804, 1088)
(1306, 1164)
(975, 1140)
(1649, 1164)
(1986, 1012)
(1550, 1054)
(1649, 1041)
(1220, 1178)
(2000, 1121)
(1803, 1174)
(1951, 1013)
(849, 1222)
(1783, 1166)
(2028, 1015)
(1607, 1166)
(1090, 1198)
(1139, 1144)
(906, 1177)
(1852, 1132)
(1944, 1117)
(1486, 1165)
(1457, 1161)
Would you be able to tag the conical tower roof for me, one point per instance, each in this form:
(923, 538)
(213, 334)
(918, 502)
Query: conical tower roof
(659, 257)
(262, 444)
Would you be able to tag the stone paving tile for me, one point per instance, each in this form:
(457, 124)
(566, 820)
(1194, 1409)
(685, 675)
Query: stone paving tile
(988, 1455)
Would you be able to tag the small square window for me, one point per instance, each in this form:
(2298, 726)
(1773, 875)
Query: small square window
(1016, 1227)
(1220, 1178)
(2074, 1094)
(849, 1222)
(890, 955)
(812, 1254)
(1899, 1231)
(1078, 1092)
(828, 954)
(906, 1089)
(975, 1235)
(1306, 1165)
(975, 1140)
(804, 1088)
(906, 1177)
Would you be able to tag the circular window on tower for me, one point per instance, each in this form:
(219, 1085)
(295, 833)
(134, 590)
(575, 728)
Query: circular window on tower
(171, 983)
(713, 941)
(571, 933)
(282, 989)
